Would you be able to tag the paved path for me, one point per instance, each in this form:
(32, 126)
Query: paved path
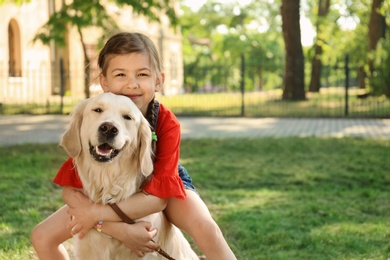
(48, 128)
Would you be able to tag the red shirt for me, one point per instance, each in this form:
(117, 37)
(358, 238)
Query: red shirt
(165, 181)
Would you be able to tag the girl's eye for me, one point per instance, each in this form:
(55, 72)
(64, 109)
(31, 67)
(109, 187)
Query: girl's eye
(97, 110)
(120, 75)
(127, 117)
(142, 75)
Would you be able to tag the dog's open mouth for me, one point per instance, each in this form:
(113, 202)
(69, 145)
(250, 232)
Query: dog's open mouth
(103, 152)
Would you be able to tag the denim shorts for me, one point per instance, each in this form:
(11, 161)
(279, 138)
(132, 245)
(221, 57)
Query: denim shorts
(186, 179)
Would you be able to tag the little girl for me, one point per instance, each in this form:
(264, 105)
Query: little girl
(130, 66)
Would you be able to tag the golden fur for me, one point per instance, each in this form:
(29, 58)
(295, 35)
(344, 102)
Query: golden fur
(110, 142)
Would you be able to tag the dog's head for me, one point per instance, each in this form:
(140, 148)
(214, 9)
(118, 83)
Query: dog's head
(107, 126)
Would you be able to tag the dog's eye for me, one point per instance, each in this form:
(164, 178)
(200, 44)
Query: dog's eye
(98, 110)
(127, 117)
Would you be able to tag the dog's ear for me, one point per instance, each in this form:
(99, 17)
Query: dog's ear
(145, 158)
(71, 141)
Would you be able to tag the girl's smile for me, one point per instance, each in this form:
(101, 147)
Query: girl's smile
(134, 97)
(131, 75)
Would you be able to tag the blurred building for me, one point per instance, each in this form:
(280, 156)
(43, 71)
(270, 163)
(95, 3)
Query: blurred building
(33, 72)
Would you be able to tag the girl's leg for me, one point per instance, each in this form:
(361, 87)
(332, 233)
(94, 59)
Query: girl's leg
(192, 216)
(47, 237)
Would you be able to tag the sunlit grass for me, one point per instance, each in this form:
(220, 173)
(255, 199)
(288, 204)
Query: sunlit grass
(290, 198)
(272, 197)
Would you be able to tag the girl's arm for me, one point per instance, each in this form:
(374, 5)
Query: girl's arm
(86, 213)
(138, 237)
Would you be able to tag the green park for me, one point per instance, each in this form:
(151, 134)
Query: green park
(273, 197)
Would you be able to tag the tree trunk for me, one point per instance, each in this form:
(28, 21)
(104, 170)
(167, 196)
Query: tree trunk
(316, 64)
(260, 79)
(87, 68)
(362, 76)
(376, 29)
(294, 86)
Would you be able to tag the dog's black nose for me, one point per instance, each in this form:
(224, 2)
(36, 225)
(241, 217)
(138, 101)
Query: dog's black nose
(108, 130)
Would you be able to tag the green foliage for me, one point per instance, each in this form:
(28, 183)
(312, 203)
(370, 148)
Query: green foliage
(17, 2)
(231, 30)
(380, 80)
(78, 13)
(255, 30)
(84, 14)
(151, 8)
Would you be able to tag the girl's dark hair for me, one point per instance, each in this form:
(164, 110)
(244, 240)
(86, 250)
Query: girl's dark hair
(151, 117)
(125, 43)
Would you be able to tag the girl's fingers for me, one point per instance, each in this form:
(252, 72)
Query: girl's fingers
(152, 246)
(74, 229)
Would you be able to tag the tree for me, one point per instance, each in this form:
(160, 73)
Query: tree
(376, 31)
(344, 30)
(376, 28)
(85, 14)
(379, 44)
(212, 51)
(316, 64)
(294, 86)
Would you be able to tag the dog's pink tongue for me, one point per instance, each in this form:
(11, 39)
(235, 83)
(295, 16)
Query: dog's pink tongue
(104, 149)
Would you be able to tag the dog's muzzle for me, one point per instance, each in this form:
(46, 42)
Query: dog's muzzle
(103, 152)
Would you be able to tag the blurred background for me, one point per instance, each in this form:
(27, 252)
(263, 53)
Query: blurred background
(287, 197)
(279, 58)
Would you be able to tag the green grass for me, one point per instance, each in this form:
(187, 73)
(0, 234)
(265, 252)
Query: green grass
(290, 198)
(329, 102)
(27, 194)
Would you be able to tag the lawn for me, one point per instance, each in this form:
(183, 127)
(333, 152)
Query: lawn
(289, 198)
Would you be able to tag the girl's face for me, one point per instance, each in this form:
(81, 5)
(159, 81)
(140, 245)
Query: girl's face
(131, 75)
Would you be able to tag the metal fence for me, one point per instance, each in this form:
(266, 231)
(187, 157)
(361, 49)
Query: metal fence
(329, 102)
(341, 98)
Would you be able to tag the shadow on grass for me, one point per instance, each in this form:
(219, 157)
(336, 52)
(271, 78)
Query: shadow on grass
(296, 198)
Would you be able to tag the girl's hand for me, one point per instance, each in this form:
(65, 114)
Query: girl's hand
(82, 211)
(138, 237)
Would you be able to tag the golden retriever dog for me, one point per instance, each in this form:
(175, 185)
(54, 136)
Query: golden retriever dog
(110, 142)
